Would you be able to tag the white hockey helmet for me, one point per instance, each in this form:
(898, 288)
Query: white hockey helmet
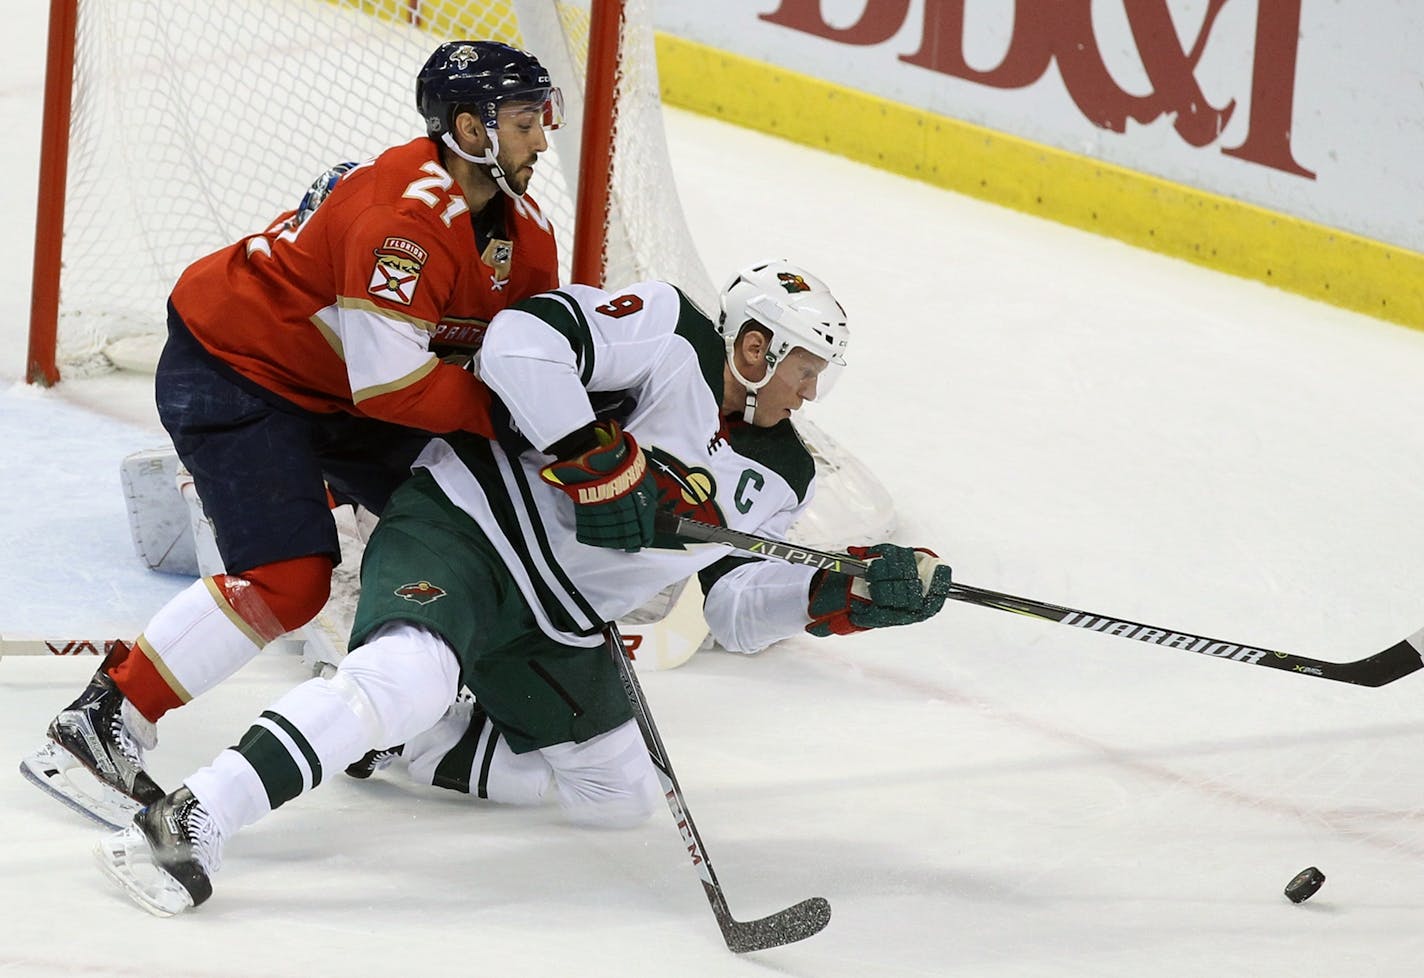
(795, 307)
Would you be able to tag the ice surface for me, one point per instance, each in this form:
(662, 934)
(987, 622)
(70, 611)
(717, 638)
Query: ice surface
(1061, 417)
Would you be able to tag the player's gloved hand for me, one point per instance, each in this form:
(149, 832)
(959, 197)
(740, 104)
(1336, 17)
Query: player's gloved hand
(613, 490)
(902, 587)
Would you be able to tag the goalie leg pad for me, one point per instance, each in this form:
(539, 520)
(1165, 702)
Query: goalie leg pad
(159, 519)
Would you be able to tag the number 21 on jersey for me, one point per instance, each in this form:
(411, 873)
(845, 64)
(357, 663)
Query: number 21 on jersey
(425, 190)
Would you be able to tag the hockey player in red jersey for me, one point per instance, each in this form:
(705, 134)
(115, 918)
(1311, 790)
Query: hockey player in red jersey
(315, 358)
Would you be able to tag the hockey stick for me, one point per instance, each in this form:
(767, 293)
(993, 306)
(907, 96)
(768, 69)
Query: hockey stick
(100, 646)
(1396, 662)
(796, 923)
(55, 646)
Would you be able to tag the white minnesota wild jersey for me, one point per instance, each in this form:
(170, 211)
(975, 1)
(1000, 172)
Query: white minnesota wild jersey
(658, 362)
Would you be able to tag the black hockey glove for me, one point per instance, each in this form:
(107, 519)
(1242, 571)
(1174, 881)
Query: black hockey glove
(902, 587)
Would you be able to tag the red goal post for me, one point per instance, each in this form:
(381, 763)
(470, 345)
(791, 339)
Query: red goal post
(173, 127)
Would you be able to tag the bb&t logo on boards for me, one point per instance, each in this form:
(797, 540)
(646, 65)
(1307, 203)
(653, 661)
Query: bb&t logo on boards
(1047, 31)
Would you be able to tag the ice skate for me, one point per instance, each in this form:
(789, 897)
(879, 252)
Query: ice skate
(165, 860)
(373, 761)
(96, 734)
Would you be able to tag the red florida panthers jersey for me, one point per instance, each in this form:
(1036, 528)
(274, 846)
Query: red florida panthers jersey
(339, 311)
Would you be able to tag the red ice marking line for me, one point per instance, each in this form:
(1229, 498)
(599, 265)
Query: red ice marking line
(1335, 819)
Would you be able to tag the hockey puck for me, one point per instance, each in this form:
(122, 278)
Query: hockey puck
(1303, 887)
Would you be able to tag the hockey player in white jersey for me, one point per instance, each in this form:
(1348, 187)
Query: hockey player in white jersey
(498, 565)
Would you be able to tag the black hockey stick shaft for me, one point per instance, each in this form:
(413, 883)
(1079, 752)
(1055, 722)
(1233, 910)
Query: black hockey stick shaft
(795, 923)
(1399, 660)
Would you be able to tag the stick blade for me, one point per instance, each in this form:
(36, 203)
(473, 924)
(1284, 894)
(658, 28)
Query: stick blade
(1399, 660)
(806, 919)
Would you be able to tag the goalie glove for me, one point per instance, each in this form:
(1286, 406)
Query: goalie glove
(613, 489)
(901, 587)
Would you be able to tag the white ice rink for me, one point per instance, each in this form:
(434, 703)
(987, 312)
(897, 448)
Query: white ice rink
(1061, 417)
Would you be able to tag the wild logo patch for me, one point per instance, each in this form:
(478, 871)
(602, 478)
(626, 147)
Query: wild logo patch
(683, 489)
(792, 282)
(397, 270)
(421, 592)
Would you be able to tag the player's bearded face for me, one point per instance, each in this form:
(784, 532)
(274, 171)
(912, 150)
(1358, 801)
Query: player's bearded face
(792, 384)
(521, 140)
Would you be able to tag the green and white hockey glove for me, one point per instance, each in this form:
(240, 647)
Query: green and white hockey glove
(613, 489)
(902, 587)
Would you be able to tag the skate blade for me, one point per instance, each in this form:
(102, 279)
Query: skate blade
(49, 769)
(125, 857)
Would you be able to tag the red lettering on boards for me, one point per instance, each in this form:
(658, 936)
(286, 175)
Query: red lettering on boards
(1062, 30)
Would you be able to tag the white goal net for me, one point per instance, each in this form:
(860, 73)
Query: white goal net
(196, 122)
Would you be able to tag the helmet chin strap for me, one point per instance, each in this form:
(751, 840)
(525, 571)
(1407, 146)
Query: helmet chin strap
(489, 160)
(749, 412)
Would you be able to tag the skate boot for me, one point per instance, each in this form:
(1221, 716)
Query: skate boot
(99, 734)
(373, 761)
(165, 860)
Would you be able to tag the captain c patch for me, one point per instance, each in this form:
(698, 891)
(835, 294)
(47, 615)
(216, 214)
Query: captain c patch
(397, 270)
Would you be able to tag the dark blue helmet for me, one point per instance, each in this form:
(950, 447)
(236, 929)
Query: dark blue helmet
(477, 76)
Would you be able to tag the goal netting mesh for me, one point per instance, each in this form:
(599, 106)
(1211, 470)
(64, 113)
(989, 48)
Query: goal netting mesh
(194, 123)
(197, 122)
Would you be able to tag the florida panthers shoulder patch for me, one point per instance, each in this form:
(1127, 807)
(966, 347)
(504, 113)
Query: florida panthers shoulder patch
(397, 270)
